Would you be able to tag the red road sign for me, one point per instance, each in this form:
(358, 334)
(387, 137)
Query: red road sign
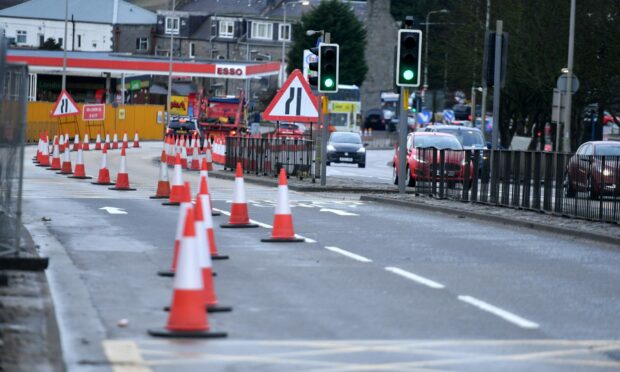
(65, 106)
(294, 102)
(93, 112)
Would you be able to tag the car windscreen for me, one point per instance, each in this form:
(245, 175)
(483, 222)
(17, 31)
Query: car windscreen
(468, 138)
(607, 150)
(439, 142)
(288, 126)
(345, 138)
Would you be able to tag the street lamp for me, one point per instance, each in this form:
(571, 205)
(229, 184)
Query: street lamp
(426, 46)
(284, 5)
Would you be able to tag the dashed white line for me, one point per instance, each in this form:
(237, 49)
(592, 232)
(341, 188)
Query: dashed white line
(352, 255)
(416, 278)
(512, 318)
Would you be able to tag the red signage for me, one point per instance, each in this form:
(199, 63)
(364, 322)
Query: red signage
(93, 112)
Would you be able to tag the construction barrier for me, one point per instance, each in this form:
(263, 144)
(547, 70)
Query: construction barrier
(130, 119)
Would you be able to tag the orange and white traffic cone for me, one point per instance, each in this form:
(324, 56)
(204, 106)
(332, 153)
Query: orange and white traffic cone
(104, 173)
(186, 203)
(66, 162)
(44, 160)
(37, 157)
(187, 316)
(125, 141)
(56, 156)
(107, 142)
(204, 256)
(184, 157)
(98, 142)
(86, 143)
(177, 189)
(195, 160)
(283, 220)
(80, 172)
(209, 157)
(203, 188)
(122, 178)
(76, 142)
(171, 151)
(239, 209)
(136, 141)
(163, 185)
(115, 142)
(208, 225)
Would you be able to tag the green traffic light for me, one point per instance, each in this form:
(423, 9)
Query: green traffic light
(328, 83)
(408, 74)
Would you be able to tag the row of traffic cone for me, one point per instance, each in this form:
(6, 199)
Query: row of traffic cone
(189, 151)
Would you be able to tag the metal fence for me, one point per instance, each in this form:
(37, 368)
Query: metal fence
(13, 101)
(565, 184)
(265, 156)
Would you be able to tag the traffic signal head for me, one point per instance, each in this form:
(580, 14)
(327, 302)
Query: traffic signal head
(328, 68)
(313, 79)
(408, 58)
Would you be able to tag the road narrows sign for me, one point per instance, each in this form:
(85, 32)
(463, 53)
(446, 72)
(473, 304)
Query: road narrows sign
(294, 102)
(65, 106)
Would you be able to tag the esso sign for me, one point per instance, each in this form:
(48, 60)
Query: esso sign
(230, 71)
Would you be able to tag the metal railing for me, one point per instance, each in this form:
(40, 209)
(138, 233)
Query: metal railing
(564, 184)
(265, 156)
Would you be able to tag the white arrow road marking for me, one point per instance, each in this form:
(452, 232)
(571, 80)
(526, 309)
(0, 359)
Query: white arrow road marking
(512, 318)
(352, 255)
(113, 210)
(338, 212)
(415, 278)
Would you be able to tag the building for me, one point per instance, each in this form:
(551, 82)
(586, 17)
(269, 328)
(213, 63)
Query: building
(108, 26)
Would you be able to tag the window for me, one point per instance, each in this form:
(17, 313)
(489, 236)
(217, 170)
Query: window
(285, 32)
(41, 39)
(192, 50)
(262, 30)
(79, 41)
(61, 42)
(227, 29)
(142, 43)
(21, 37)
(172, 25)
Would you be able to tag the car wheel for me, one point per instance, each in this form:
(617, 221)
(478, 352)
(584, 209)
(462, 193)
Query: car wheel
(410, 179)
(568, 187)
(395, 175)
(327, 163)
(361, 165)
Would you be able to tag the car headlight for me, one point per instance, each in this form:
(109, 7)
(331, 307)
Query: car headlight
(464, 162)
(419, 159)
(361, 149)
(607, 172)
(331, 148)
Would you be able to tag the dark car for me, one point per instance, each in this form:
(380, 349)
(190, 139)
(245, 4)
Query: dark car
(374, 119)
(595, 169)
(183, 127)
(346, 147)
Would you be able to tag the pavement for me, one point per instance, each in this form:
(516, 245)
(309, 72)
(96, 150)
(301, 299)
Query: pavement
(374, 286)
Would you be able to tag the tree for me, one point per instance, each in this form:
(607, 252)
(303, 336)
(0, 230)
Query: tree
(51, 44)
(338, 19)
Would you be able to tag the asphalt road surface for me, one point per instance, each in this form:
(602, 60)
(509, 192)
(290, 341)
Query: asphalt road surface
(376, 171)
(373, 288)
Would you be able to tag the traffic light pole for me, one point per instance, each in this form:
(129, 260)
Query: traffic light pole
(324, 133)
(402, 142)
(497, 84)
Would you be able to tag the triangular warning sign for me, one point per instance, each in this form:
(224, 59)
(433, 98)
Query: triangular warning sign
(294, 102)
(65, 106)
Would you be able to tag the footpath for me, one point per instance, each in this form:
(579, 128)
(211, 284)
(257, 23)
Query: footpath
(388, 194)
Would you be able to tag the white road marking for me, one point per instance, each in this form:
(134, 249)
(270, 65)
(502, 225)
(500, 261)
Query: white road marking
(415, 278)
(354, 256)
(261, 224)
(512, 318)
(338, 212)
(113, 210)
(124, 356)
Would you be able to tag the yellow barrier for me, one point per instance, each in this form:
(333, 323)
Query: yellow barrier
(140, 118)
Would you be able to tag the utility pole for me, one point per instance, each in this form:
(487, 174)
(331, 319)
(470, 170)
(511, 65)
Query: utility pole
(483, 104)
(497, 84)
(569, 80)
(324, 131)
(64, 48)
(169, 96)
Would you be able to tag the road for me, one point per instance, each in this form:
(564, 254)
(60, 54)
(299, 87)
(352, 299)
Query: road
(377, 169)
(374, 287)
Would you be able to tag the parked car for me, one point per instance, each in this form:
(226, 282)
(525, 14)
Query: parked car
(346, 147)
(420, 166)
(183, 127)
(290, 130)
(586, 172)
(470, 138)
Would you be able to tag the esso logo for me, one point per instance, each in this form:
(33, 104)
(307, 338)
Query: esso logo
(230, 71)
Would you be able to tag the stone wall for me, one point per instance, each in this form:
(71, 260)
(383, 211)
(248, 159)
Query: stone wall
(381, 31)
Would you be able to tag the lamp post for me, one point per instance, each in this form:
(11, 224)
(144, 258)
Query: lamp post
(169, 94)
(284, 5)
(426, 46)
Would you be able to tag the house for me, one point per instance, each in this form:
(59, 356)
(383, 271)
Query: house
(101, 26)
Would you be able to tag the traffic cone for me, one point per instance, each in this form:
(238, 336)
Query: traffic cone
(80, 172)
(44, 161)
(98, 142)
(176, 191)
(239, 209)
(171, 151)
(186, 203)
(283, 220)
(184, 157)
(209, 157)
(104, 173)
(56, 157)
(204, 255)
(66, 162)
(122, 178)
(115, 142)
(203, 188)
(125, 141)
(86, 143)
(163, 185)
(187, 316)
(37, 157)
(76, 142)
(107, 141)
(195, 160)
(190, 145)
(66, 141)
(205, 201)
(136, 141)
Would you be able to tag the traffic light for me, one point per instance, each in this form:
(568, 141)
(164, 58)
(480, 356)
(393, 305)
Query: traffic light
(313, 79)
(409, 58)
(328, 68)
(488, 62)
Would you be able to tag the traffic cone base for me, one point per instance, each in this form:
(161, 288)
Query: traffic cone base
(176, 195)
(163, 190)
(170, 274)
(104, 178)
(241, 210)
(185, 334)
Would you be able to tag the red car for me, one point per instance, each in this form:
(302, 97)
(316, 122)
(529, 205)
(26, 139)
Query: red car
(585, 171)
(420, 166)
(290, 130)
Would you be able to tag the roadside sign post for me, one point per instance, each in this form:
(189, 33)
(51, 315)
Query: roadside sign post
(497, 87)
(324, 134)
(402, 140)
